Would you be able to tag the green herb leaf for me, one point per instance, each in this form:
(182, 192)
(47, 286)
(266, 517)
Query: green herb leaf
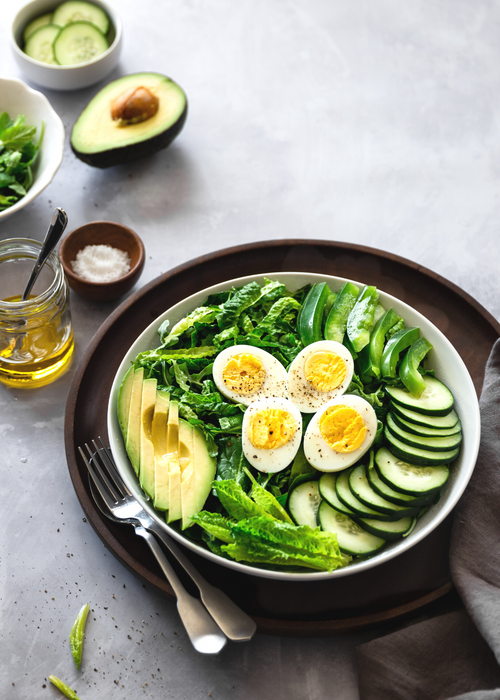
(65, 689)
(77, 634)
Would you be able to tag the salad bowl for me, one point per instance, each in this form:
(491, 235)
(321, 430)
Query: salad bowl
(17, 98)
(443, 358)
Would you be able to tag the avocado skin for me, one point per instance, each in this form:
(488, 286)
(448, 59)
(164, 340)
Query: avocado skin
(126, 154)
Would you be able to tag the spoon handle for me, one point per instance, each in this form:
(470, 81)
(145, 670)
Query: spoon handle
(55, 231)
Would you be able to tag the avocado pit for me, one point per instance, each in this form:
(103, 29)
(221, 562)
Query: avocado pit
(134, 106)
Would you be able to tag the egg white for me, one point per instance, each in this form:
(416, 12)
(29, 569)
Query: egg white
(275, 459)
(301, 392)
(274, 383)
(319, 453)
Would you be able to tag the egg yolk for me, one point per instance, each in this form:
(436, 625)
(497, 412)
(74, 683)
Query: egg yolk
(270, 428)
(244, 374)
(343, 428)
(325, 370)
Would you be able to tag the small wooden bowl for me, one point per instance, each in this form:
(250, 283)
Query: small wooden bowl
(102, 233)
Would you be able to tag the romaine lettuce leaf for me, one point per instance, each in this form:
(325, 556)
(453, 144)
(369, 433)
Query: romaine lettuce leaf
(264, 540)
(237, 503)
(215, 524)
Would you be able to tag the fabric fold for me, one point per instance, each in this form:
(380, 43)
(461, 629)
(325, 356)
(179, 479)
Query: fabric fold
(454, 656)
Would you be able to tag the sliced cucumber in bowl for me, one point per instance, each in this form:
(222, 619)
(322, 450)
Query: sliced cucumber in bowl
(351, 537)
(79, 42)
(434, 444)
(407, 477)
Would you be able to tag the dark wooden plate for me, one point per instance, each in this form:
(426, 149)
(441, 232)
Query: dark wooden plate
(400, 587)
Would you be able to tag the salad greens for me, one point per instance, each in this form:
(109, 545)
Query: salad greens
(245, 516)
(18, 152)
(77, 634)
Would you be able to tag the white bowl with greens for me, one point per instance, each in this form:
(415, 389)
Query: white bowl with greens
(66, 45)
(184, 378)
(33, 136)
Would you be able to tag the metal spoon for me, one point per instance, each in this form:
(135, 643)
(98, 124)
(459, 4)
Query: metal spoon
(56, 229)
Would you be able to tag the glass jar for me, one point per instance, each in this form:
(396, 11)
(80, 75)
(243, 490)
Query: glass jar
(36, 335)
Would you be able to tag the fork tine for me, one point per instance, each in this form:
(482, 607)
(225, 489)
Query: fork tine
(100, 479)
(106, 456)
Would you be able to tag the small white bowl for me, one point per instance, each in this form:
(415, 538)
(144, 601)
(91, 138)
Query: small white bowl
(17, 98)
(64, 77)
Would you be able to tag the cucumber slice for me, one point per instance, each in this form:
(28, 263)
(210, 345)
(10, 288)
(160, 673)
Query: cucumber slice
(328, 493)
(392, 530)
(402, 499)
(351, 537)
(409, 478)
(79, 42)
(418, 455)
(77, 10)
(435, 400)
(40, 44)
(362, 489)
(36, 24)
(424, 430)
(434, 444)
(436, 422)
(347, 497)
(303, 503)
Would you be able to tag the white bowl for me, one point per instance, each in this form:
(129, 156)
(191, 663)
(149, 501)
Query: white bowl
(64, 77)
(17, 98)
(444, 359)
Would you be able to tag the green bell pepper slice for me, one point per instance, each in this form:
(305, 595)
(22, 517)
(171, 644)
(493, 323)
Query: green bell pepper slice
(336, 322)
(361, 318)
(408, 370)
(310, 320)
(394, 347)
(377, 340)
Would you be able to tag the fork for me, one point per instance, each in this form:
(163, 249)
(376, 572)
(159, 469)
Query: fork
(122, 505)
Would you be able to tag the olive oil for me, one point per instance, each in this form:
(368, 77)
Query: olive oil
(36, 335)
(35, 356)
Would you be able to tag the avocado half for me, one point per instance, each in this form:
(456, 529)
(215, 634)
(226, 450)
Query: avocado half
(102, 140)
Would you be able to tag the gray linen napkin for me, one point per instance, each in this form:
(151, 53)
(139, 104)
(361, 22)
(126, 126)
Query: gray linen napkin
(457, 655)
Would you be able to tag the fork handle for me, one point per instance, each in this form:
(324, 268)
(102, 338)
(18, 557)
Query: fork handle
(233, 621)
(203, 632)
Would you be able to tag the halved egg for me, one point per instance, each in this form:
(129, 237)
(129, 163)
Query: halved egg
(340, 433)
(319, 373)
(244, 373)
(271, 433)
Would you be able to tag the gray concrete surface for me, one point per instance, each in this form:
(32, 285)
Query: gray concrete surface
(369, 122)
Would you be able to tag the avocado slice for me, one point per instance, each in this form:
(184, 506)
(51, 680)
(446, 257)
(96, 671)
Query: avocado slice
(159, 436)
(133, 432)
(198, 471)
(188, 475)
(146, 465)
(123, 403)
(132, 117)
(174, 469)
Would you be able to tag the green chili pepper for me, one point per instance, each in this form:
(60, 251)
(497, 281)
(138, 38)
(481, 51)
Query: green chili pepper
(77, 633)
(336, 322)
(377, 341)
(408, 371)
(361, 318)
(309, 325)
(394, 346)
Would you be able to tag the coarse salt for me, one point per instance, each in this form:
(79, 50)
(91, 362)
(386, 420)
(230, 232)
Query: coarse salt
(101, 263)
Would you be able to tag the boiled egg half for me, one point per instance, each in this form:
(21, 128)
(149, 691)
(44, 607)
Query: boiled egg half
(320, 372)
(271, 433)
(340, 433)
(244, 373)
